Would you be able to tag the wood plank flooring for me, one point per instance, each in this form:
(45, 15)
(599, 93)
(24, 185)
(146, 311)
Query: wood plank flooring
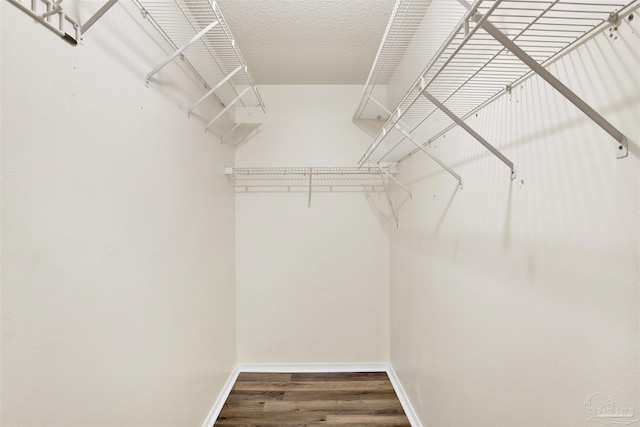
(312, 399)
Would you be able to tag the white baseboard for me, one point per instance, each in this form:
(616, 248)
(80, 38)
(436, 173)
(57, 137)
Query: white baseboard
(222, 397)
(402, 396)
(313, 367)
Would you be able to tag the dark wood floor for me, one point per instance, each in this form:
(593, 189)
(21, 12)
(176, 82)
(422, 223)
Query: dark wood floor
(341, 399)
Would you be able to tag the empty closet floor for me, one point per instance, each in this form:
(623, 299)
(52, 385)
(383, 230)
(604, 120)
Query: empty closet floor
(312, 399)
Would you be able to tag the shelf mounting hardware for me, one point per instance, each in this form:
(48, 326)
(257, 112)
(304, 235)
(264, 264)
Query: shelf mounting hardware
(614, 19)
(182, 49)
(622, 146)
(471, 132)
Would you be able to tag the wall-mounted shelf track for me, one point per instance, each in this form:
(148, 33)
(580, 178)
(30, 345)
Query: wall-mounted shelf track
(200, 36)
(494, 46)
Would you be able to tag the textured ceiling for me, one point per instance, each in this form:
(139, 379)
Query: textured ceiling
(308, 41)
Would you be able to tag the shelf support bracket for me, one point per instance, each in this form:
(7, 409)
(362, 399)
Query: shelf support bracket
(229, 105)
(393, 209)
(105, 7)
(246, 116)
(622, 146)
(393, 178)
(212, 90)
(182, 49)
(440, 106)
(410, 138)
(434, 158)
(310, 175)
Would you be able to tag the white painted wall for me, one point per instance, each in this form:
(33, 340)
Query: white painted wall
(510, 301)
(513, 301)
(118, 303)
(312, 282)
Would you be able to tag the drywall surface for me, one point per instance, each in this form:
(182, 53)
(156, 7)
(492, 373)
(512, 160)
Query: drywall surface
(118, 301)
(312, 282)
(512, 302)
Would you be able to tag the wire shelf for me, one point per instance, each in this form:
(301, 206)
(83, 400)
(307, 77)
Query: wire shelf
(214, 55)
(472, 67)
(319, 179)
(405, 20)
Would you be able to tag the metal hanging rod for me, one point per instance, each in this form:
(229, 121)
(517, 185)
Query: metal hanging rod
(494, 46)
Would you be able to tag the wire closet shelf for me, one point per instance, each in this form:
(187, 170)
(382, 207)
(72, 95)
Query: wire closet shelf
(198, 32)
(494, 46)
(319, 179)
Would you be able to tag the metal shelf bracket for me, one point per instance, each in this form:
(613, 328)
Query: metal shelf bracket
(393, 178)
(470, 131)
(400, 126)
(108, 5)
(433, 157)
(310, 186)
(224, 110)
(393, 209)
(213, 89)
(181, 49)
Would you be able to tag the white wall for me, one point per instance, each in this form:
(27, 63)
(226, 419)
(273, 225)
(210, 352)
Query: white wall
(118, 303)
(312, 282)
(513, 301)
